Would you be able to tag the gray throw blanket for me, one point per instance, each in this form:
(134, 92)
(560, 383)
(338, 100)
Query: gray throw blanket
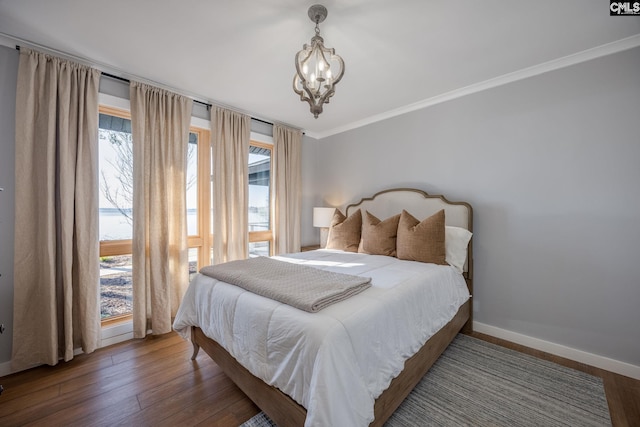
(300, 286)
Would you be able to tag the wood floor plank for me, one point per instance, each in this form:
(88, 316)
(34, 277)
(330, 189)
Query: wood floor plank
(101, 393)
(196, 412)
(28, 381)
(623, 396)
(221, 420)
(615, 402)
(128, 367)
(202, 372)
(153, 382)
(39, 396)
(24, 383)
(119, 410)
(170, 412)
(127, 409)
(232, 415)
(156, 343)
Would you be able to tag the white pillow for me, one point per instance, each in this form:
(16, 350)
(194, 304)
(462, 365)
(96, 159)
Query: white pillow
(456, 240)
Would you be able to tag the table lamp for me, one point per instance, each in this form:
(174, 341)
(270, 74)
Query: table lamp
(322, 218)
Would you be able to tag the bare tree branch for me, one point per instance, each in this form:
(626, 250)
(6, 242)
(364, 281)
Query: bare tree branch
(120, 193)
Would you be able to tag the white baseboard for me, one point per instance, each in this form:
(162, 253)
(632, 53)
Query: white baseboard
(595, 360)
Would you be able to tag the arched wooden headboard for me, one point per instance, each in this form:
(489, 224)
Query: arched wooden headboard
(421, 205)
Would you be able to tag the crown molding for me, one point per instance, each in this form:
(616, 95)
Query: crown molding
(566, 61)
(525, 73)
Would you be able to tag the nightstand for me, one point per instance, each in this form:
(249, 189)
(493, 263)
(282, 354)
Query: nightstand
(309, 248)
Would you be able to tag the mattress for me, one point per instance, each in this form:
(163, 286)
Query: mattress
(337, 361)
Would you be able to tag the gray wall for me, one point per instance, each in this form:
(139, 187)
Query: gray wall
(309, 235)
(8, 76)
(551, 166)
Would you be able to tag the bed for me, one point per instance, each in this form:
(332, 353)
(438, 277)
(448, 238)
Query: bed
(337, 366)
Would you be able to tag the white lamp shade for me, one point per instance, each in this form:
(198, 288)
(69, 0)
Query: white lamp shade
(322, 217)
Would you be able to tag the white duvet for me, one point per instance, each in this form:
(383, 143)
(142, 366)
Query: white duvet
(335, 362)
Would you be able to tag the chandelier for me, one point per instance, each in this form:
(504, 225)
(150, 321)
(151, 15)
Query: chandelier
(318, 69)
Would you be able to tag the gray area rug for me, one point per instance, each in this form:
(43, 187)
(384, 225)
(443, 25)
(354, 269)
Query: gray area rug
(476, 383)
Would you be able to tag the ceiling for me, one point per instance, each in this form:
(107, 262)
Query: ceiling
(399, 55)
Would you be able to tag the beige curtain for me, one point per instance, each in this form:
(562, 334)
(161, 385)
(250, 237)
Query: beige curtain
(160, 127)
(287, 188)
(56, 261)
(230, 142)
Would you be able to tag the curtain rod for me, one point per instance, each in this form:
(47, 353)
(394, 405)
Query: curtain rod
(126, 80)
(206, 104)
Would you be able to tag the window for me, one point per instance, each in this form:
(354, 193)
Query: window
(116, 208)
(260, 233)
(199, 199)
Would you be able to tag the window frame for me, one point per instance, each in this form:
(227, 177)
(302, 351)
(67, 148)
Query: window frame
(202, 240)
(115, 247)
(265, 235)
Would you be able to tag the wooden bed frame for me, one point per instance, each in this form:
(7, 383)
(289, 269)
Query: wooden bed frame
(286, 412)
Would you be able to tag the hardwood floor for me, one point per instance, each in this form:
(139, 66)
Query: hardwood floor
(153, 382)
(150, 382)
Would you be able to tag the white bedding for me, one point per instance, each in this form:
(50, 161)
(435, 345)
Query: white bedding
(335, 362)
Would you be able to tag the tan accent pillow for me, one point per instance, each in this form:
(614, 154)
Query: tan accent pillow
(344, 233)
(379, 237)
(421, 240)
